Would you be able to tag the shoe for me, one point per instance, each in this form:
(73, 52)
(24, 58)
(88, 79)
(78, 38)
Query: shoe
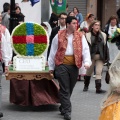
(100, 91)
(98, 86)
(1, 114)
(85, 89)
(86, 82)
(67, 117)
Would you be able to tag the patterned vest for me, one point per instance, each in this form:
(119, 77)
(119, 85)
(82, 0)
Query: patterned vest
(62, 45)
(2, 30)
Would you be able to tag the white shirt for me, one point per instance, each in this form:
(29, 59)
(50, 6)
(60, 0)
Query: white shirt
(62, 27)
(84, 24)
(6, 47)
(112, 30)
(69, 51)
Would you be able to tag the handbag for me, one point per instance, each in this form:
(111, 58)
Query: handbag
(107, 77)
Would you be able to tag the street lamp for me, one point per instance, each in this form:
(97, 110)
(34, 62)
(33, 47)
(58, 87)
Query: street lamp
(12, 15)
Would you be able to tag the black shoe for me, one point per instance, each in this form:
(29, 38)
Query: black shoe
(85, 89)
(67, 117)
(100, 91)
(1, 114)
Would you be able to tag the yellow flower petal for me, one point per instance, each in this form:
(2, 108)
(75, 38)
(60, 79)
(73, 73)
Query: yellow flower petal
(118, 30)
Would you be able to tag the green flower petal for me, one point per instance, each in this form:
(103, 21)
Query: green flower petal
(39, 49)
(20, 30)
(38, 30)
(20, 48)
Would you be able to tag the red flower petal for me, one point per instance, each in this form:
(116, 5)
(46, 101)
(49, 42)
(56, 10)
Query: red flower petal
(40, 39)
(19, 39)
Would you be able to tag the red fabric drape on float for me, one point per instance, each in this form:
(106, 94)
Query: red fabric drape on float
(33, 92)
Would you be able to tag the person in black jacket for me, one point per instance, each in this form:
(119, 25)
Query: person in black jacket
(62, 25)
(110, 29)
(19, 15)
(53, 20)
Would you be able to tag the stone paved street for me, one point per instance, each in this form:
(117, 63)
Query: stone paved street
(85, 105)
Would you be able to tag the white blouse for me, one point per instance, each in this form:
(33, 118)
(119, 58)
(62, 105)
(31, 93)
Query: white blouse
(112, 30)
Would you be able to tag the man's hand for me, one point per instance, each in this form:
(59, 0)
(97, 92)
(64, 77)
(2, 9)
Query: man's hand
(6, 70)
(86, 66)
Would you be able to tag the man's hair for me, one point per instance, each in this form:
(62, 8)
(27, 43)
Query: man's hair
(62, 14)
(70, 18)
(6, 7)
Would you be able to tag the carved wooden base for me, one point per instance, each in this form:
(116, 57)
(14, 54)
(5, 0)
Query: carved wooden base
(28, 75)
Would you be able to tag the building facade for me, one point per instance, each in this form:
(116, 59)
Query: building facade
(102, 9)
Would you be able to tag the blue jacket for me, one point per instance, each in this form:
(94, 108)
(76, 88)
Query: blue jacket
(79, 18)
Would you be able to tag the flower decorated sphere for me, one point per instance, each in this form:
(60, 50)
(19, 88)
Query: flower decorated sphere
(29, 39)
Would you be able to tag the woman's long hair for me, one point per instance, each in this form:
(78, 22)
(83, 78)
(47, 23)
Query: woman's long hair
(92, 24)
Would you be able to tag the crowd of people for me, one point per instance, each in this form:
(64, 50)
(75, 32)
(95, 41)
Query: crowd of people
(62, 57)
(78, 47)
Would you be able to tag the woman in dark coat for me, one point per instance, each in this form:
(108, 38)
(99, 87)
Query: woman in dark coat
(110, 29)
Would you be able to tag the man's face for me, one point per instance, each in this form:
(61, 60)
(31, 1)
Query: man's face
(73, 25)
(62, 20)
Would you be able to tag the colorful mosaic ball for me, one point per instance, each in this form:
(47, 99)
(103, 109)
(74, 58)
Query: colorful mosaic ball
(29, 39)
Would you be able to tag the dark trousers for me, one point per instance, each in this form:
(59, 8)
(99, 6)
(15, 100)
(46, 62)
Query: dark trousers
(67, 77)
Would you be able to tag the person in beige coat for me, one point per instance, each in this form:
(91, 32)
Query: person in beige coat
(99, 54)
